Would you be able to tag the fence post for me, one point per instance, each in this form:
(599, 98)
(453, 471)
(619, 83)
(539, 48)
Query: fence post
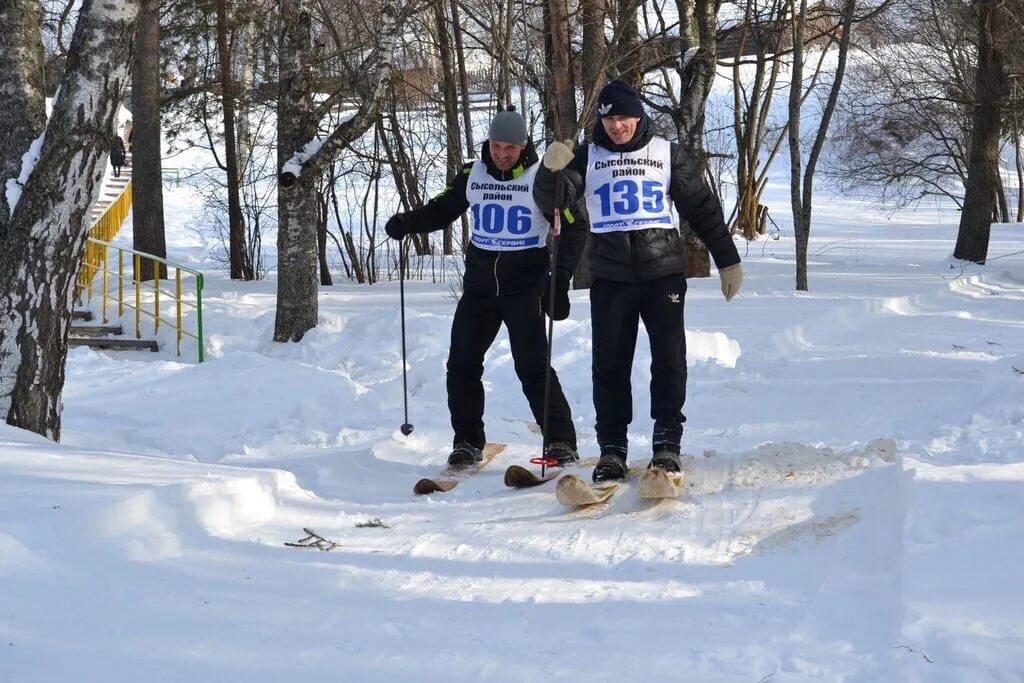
(177, 298)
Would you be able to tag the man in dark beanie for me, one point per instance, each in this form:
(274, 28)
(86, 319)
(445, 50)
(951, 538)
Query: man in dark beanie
(630, 179)
(506, 281)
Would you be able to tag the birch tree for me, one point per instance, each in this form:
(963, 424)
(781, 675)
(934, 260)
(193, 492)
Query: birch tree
(21, 87)
(41, 248)
(303, 155)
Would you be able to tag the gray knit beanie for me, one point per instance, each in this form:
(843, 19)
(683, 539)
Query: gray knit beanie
(508, 126)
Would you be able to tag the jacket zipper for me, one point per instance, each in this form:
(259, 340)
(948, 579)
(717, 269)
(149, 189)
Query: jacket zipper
(497, 284)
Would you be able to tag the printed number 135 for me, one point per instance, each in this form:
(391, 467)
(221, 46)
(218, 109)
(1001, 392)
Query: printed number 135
(624, 196)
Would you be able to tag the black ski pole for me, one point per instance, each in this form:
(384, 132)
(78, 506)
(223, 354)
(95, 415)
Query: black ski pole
(556, 230)
(402, 262)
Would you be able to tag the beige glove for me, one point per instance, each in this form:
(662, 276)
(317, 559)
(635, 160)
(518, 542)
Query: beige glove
(558, 155)
(732, 279)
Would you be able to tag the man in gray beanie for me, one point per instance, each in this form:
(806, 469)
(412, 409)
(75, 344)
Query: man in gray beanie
(630, 179)
(506, 281)
(508, 126)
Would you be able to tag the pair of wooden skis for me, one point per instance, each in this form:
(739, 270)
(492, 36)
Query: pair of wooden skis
(571, 490)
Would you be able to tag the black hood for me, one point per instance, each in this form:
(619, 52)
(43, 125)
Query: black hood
(643, 135)
(527, 159)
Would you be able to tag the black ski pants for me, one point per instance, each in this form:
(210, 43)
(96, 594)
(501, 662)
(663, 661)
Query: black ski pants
(616, 308)
(477, 320)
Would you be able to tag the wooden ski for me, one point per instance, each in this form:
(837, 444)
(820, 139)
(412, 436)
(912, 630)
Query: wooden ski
(658, 483)
(572, 491)
(518, 477)
(449, 477)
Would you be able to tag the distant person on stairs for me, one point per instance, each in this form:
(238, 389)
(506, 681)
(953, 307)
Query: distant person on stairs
(117, 155)
(506, 281)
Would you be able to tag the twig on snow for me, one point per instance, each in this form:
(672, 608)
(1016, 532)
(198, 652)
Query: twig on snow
(313, 540)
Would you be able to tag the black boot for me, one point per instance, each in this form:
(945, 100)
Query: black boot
(465, 455)
(667, 460)
(611, 466)
(562, 452)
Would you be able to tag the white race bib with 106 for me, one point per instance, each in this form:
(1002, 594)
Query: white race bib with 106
(504, 215)
(629, 190)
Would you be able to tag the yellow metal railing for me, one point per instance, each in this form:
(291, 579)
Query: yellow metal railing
(96, 261)
(104, 229)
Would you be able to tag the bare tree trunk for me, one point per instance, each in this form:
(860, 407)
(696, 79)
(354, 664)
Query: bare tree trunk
(628, 47)
(322, 208)
(699, 54)
(41, 253)
(1019, 163)
(242, 60)
(243, 47)
(802, 186)
(559, 87)
(21, 90)
(1002, 210)
(501, 35)
(148, 233)
(983, 161)
(302, 157)
(801, 214)
(467, 120)
(593, 56)
(451, 105)
(296, 200)
(593, 60)
(460, 56)
(698, 73)
(240, 269)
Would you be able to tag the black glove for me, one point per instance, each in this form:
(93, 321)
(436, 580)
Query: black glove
(561, 311)
(398, 226)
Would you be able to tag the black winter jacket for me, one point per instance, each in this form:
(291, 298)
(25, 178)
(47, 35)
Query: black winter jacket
(652, 253)
(503, 272)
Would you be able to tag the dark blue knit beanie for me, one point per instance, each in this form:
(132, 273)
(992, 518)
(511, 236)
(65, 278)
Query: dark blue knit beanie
(618, 98)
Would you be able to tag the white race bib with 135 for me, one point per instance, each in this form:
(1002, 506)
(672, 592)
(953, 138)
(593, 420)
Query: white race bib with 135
(629, 190)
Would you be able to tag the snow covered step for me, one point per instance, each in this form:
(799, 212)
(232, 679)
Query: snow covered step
(96, 330)
(114, 344)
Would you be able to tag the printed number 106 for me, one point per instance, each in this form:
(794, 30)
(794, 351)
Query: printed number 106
(492, 219)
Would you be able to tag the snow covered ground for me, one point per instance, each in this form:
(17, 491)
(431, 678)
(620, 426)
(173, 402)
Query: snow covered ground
(854, 509)
(150, 544)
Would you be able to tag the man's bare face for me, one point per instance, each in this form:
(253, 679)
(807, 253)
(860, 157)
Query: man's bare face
(505, 154)
(620, 129)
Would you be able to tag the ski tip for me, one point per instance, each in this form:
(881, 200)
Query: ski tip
(572, 491)
(657, 483)
(425, 486)
(518, 477)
